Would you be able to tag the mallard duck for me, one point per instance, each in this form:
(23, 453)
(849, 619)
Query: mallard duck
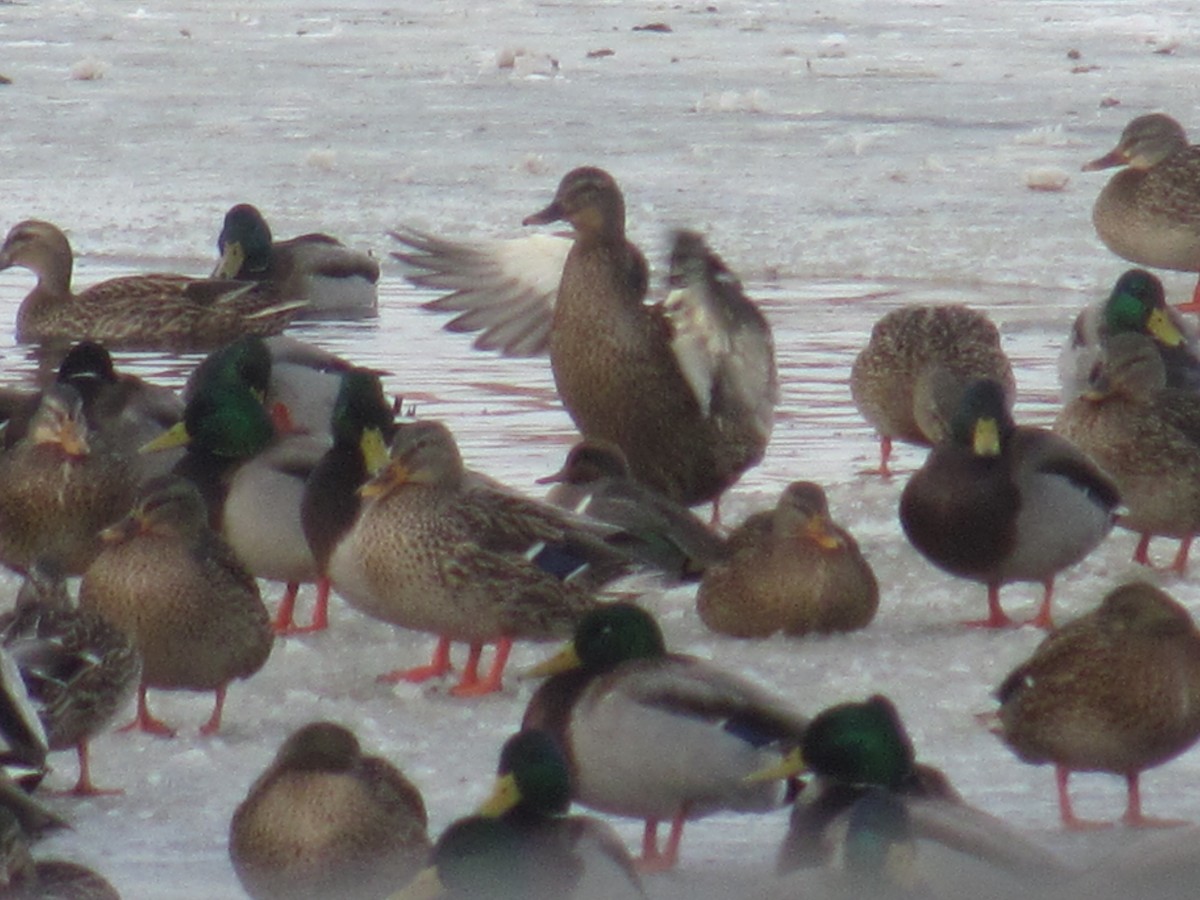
(908, 380)
(126, 411)
(856, 748)
(362, 426)
(250, 465)
(327, 821)
(562, 857)
(657, 735)
(1137, 304)
(1149, 212)
(1146, 437)
(59, 486)
(433, 552)
(80, 669)
(789, 569)
(146, 312)
(24, 878)
(595, 481)
(1116, 690)
(328, 276)
(686, 388)
(193, 611)
(996, 502)
(282, 371)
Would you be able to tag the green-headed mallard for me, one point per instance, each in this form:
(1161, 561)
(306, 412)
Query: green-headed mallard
(79, 668)
(789, 569)
(908, 380)
(332, 279)
(997, 502)
(435, 551)
(556, 856)
(856, 748)
(686, 387)
(193, 611)
(1136, 305)
(138, 311)
(1149, 212)
(362, 425)
(657, 735)
(1116, 690)
(1146, 436)
(325, 820)
(59, 486)
(595, 481)
(250, 464)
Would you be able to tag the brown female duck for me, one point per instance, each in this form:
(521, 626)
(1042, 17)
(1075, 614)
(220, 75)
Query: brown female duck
(137, 311)
(1149, 212)
(193, 611)
(327, 821)
(686, 387)
(789, 569)
(1116, 690)
(908, 379)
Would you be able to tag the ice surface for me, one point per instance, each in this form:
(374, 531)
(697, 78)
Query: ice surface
(844, 158)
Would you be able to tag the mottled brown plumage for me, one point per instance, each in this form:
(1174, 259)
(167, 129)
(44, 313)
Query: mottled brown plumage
(1149, 212)
(326, 821)
(193, 611)
(435, 551)
(59, 486)
(789, 569)
(659, 381)
(138, 311)
(1145, 436)
(79, 668)
(1116, 690)
(908, 380)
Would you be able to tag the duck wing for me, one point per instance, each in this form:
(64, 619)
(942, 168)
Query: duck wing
(504, 289)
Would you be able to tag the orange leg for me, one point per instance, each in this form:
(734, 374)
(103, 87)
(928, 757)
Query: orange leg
(146, 722)
(885, 454)
(476, 686)
(996, 616)
(1141, 553)
(1192, 305)
(652, 860)
(1069, 820)
(1042, 619)
(1179, 564)
(1133, 817)
(84, 787)
(285, 622)
(213, 725)
(438, 667)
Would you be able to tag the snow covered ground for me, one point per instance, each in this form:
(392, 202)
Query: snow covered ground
(845, 158)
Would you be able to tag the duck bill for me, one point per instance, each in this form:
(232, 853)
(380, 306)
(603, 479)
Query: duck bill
(233, 257)
(175, 436)
(426, 886)
(122, 531)
(505, 795)
(565, 660)
(374, 450)
(552, 213)
(72, 438)
(1117, 157)
(820, 531)
(985, 439)
(788, 766)
(1163, 329)
(390, 477)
